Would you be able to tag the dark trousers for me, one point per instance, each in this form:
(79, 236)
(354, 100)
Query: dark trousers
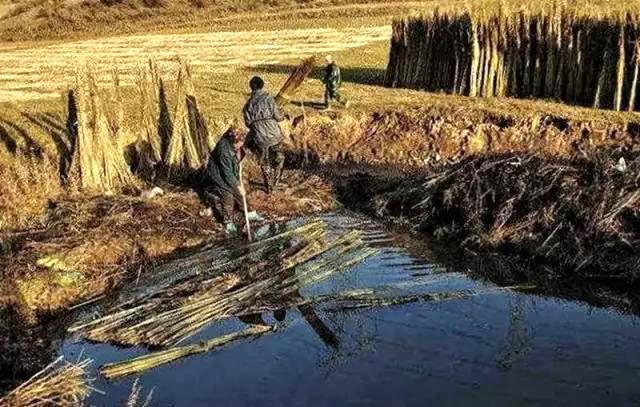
(271, 161)
(331, 94)
(225, 203)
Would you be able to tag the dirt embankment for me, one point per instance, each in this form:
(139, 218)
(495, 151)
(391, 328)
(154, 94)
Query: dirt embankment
(427, 137)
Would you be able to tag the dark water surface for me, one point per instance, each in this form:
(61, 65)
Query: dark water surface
(497, 348)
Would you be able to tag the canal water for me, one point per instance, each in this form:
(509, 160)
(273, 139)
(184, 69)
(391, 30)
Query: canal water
(497, 347)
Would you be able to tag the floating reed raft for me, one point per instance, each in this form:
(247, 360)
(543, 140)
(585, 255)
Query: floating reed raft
(253, 281)
(59, 384)
(146, 362)
(558, 53)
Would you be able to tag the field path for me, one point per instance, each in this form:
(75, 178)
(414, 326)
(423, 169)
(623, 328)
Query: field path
(41, 72)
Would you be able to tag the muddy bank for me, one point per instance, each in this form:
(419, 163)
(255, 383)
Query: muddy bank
(87, 246)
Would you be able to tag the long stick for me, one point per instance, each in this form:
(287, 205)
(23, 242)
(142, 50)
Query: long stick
(244, 206)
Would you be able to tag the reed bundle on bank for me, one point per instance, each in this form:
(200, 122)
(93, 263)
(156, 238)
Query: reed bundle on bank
(98, 163)
(152, 142)
(59, 384)
(556, 52)
(189, 144)
(260, 279)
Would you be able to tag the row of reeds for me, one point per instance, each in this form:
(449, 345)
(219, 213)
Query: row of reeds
(103, 159)
(556, 53)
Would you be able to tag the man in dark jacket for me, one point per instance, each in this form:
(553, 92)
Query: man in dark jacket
(332, 82)
(223, 173)
(261, 115)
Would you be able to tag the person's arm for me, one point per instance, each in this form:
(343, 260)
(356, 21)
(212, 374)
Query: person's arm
(245, 114)
(278, 114)
(337, 75)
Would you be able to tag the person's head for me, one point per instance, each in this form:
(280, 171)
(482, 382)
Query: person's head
(329, 59)
(236, 136)
(256, 83)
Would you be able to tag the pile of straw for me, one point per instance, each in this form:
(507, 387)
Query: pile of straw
(259, 278)
(557, 53)
(59, 384)
(576, 217)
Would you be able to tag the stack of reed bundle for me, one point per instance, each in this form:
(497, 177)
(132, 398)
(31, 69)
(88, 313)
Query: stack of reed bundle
(255, 284)
(59, 384)
(557, 53)
(296, 79)
(189, 143)
(98, 163)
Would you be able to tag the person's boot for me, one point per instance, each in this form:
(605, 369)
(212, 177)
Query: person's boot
(230, 228)
(278, 178)
(255, 217)
(265, 177)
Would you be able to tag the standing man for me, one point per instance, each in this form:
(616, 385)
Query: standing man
(261, 115)
(223, 173)
(332, 82)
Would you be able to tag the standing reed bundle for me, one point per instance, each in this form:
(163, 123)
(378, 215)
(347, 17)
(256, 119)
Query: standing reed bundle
(189, 144)
(554, 53)
(296, 79)
(99, 162)
(149, 145)
(59, 384)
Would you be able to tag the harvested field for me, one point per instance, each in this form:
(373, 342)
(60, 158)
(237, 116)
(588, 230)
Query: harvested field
(42, 72)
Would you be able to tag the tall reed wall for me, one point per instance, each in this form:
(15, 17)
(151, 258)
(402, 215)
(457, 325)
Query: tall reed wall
(562, 55)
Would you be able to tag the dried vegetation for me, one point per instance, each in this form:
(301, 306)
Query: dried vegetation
(586, 55)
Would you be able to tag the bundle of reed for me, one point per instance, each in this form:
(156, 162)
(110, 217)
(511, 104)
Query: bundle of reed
(182, 309)
(296, 79)
(59, 384)
(149, 144)
(98, 162)
(189, 144)
(555, 52)
(135, 366)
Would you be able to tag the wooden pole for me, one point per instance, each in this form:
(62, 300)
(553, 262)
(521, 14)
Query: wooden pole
(244, 206)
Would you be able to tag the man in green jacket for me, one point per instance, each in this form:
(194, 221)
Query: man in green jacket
(223, 173)
(332, 82)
